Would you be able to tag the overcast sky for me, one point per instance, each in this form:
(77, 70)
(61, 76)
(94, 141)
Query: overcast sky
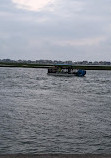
(74, 30)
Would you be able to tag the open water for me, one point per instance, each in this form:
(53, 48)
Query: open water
(47, 114)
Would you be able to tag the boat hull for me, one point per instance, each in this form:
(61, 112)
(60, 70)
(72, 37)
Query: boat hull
(61, 74)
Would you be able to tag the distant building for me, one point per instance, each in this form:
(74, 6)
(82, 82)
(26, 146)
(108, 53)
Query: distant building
(69, 62)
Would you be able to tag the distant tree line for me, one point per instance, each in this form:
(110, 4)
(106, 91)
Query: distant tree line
(56, 62)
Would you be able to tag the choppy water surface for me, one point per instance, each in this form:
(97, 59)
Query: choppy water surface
(47, 114)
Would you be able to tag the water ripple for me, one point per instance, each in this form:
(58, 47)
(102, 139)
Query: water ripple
(46, 114)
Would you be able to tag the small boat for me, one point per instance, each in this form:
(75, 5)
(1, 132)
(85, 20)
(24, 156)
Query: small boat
(66, 71)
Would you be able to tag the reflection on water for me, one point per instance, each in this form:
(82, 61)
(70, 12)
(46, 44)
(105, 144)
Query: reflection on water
(47, 114)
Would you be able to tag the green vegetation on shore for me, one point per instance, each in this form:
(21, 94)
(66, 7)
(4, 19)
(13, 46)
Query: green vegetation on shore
(85, 67)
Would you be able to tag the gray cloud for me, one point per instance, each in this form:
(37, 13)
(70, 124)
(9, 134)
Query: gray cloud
(65, 30)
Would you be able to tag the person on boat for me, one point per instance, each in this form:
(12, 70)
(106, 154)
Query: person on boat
(59, 70)
(69, 70)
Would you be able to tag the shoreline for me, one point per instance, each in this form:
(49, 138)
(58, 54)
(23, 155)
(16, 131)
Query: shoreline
(55, 156)
(84, 67)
